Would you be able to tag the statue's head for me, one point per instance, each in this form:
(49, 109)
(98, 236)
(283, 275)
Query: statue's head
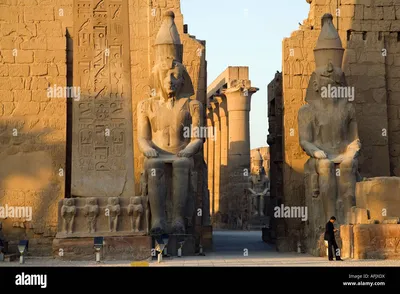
(136, 200)
(257, 163)
(91, 201)
(328, 75)
(169, 74)
(69, 202)
(113, 200)
(170, 77)
(328, 55)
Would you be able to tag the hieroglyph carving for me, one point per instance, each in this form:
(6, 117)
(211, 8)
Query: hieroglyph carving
(102, 156)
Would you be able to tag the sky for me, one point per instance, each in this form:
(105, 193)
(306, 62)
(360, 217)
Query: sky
(245, 33)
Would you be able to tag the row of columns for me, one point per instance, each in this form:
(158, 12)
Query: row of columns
(228, 152)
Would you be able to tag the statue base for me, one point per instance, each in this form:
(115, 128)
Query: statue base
(135, 248)
(188, 245)
(96, 217)
(62, 235)
(258, 222)
(206, 237)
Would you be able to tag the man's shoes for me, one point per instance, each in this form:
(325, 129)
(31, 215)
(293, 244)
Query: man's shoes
(339, 259)
(330, 259)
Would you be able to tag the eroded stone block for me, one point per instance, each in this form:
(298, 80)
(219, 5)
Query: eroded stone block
(377, 241)
(359, 215)
(380, 196)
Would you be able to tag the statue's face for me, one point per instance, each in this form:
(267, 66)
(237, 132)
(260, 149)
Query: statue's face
(329, 76)
(135, 200)
(258, 169)
(172, 80)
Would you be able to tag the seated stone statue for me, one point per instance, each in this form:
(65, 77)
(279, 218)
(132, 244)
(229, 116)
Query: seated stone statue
(162, 122)
(259, 185)
(328, 132)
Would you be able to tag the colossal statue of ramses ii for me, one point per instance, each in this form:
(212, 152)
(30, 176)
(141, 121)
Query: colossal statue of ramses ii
(328, 133)
(163, 121)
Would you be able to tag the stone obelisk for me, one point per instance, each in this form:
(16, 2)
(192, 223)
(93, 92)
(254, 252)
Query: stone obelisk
(102, 153)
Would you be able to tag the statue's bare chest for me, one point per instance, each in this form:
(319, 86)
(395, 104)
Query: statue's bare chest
(259, 183)
(70, 210)
(334, 118)
(170, 120)
(92, 210)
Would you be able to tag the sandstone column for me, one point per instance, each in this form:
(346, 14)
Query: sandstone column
(217, 157)
(238, 106)
(210, 160)
(238, 97)
(222, 137)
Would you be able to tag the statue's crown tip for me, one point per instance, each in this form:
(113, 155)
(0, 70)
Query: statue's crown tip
(329, 47)
(168, 33)
(329, 37)
(327, 16)
(257, 155)
(169, 14)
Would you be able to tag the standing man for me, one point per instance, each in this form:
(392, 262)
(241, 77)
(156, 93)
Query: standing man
(330, 238)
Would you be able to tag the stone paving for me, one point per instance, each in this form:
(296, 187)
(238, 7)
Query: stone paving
(229, 252)
(269, 259)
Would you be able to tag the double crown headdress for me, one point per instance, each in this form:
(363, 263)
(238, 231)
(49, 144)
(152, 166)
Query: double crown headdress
(329, 46)
(169, 50)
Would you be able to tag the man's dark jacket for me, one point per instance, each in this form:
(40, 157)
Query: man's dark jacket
(329, 233)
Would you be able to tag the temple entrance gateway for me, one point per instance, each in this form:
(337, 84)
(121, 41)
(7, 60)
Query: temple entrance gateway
(103, 201)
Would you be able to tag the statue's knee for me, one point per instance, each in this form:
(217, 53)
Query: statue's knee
(325, 166)
(348, 164)
(183, 162)
(309, 166)
(153, 163)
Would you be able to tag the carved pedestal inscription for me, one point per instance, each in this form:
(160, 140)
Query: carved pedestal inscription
(102, 154)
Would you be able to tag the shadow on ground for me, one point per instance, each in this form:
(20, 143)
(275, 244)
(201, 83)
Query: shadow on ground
(236, 242)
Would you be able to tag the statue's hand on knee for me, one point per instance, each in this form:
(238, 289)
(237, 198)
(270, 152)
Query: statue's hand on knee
(319, 154)
(338, 159)
(344, 158)
(150, 153)
(187, 152)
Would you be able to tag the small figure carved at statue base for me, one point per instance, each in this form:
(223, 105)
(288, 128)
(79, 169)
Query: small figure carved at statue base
(91, 212)
(68, 212)
(113, 211)
(135, 210)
